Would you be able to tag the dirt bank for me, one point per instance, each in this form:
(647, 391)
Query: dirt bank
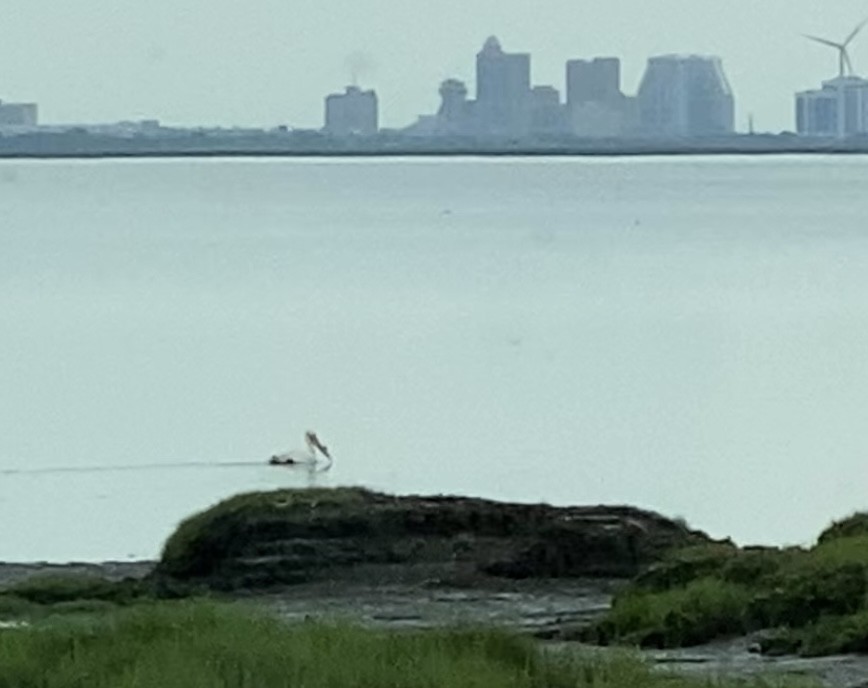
(295, 536)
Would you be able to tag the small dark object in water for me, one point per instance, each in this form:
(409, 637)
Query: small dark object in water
(278, 461)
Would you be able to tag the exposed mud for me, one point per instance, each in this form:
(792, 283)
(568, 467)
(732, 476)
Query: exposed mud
(735, 658)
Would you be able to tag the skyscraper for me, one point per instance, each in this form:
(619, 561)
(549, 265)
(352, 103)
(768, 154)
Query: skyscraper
(455, 111)
(684, 96)
(354, 112)
(597, 80)
(839, 108)
(547, 113)
(596, 107)
(503, 100)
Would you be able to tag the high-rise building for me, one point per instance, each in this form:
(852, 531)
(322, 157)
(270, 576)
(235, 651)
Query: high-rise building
(503, 94)
(352, 113)
(686, 96)
(596, 107)
(597, 80)
(454, 115)
(18, 114)
(547, 114)
(839, 108)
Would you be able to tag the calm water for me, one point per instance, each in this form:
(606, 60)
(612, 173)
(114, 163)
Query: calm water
(685, 335)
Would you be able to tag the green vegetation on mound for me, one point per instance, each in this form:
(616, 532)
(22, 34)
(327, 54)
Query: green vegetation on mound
(291, 536)
(203, 540)
(202, 645)
(814, 600)
(855, 524)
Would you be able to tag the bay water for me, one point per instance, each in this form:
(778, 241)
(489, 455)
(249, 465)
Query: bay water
(688, 335)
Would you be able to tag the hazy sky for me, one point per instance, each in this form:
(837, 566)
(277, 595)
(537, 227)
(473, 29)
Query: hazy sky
(267, 62)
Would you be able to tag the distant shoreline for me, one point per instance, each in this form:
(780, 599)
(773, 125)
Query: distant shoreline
(165, 155)
(86, 146)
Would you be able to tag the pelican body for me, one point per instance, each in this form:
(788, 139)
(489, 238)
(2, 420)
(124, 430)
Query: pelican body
(304, 457)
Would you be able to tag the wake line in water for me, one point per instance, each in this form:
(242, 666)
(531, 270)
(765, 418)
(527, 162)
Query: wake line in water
(127, 467)
(293, 460)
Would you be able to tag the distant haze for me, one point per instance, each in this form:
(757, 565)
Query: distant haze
(268, 62)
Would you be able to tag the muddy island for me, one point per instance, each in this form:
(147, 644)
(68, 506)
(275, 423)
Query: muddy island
(268, 539)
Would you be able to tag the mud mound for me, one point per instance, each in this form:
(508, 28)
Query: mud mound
(291, 536)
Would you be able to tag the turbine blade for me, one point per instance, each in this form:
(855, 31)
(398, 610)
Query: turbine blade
(848, 64)
(855, 32)
(824, 41)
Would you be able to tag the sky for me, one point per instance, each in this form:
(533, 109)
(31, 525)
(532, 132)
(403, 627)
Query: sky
(271, 62)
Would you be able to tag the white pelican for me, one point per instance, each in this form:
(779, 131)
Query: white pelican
(304, 457)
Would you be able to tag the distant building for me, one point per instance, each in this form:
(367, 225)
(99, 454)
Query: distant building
(454, 116)
(505, 104)
(680, 96)
(18, 114)
(598, 120)
(596, 107)
(456, 112)
(838, 109)
(597, 80)
(547, 113)
(686, 96)
(352, 113)
(503, 93)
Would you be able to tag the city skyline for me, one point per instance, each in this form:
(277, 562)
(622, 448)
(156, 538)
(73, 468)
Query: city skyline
(261, 65)
(679, 97)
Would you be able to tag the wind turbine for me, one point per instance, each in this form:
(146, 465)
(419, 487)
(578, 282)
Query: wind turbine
(845, 66)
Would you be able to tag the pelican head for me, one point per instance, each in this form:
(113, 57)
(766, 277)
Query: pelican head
(314, 443)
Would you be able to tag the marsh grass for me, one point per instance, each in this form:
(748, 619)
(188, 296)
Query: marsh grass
(829, 635)
(818, 597)
(54, 589)
(53, 595)
(204, 645)
(702, 610)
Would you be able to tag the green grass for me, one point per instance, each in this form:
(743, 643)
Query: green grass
(855, 524)
(203, 645)
(51, 595)
(817, 597)
(702, 610)
(53, 589)
(828, 635)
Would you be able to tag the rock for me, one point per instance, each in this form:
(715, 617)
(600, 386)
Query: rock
(291, 536)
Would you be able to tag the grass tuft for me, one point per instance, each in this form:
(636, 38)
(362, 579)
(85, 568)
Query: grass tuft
(704, 609)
